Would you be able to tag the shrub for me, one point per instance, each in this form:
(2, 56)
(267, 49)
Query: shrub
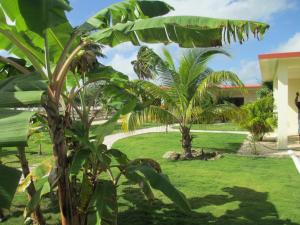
(258, 117)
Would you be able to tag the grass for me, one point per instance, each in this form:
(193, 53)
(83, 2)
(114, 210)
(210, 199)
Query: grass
(151, 146)
(216, 126)
(234, 190)
(118, 128)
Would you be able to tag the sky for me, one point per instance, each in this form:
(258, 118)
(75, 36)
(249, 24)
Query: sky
(283, 16)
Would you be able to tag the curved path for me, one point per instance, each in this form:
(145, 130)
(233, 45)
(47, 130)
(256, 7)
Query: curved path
(111, 139)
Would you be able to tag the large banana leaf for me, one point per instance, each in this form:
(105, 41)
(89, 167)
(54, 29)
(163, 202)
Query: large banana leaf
(104, 202)
(122, 12)
(21, 90)
(36, 15)
(30, 31)
(20, 44)
(187, 31)
(9, 178)
(18, 91)
(14, 127)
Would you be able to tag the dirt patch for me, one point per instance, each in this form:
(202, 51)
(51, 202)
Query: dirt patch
(266, 148)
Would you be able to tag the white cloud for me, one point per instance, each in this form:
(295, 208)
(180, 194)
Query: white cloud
(249, 72)
(241, 9)
(123, 64)
(121, 48)
(292, 45)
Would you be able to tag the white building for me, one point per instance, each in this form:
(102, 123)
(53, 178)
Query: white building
(284, 70)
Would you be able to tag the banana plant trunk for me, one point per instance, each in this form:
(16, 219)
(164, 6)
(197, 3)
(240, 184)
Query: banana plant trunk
(37, 214)
(56, 123)
(186, 142)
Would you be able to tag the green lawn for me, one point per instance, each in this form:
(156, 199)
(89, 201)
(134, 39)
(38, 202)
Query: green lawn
(118, 128)
(216, 126)
(234, 190)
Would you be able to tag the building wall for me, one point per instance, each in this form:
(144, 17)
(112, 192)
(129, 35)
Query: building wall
(294, 86)
(292, 117)
(250, 96)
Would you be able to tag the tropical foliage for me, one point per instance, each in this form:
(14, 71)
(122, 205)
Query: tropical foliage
(60, 64)
(182, 92)
(258, 117)
(265, 90)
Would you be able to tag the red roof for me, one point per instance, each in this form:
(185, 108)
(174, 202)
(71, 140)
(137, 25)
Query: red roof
(281, 55)
(246, 86)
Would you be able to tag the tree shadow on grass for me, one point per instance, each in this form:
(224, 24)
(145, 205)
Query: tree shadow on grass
(49, 207)
(252, 208)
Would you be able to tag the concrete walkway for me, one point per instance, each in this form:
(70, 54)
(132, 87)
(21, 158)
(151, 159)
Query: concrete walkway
(111, 139)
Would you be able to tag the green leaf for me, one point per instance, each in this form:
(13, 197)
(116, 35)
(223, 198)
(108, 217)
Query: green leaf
(26, 38)
(23, 45)
(42, 170)
(14, 127)
(125, 11)
(36, 199)
(128, 106)
(119, 156)
(79, 159)
(104, 201)
(161, 183)
(18, 91)
(187, 31)
(20, 98)
(36, 15)
(141, 181)
(57, 38)
(21, 90)
(10, 178)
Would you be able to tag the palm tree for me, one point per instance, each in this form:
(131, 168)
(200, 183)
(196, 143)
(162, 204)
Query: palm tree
(182, 91)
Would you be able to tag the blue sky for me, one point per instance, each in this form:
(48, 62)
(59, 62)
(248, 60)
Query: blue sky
(282, 15)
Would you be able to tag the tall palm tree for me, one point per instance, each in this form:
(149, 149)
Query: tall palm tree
(181, 92)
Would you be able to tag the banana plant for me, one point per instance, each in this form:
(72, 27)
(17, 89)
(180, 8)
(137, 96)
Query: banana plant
(38, 31)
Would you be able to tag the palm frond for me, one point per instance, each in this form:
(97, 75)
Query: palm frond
(219, 111)
(168, 59)
(193, 64)
(145, 64)
(218, 78)
(133, 120)
(155, 90)
(212, 80)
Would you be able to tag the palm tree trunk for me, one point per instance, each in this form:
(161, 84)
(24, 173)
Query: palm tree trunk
(186, 142)
(56, 124)
(37, 214)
